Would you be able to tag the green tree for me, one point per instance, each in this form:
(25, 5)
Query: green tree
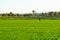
(51, 13)
(42, 14)
(59, 13)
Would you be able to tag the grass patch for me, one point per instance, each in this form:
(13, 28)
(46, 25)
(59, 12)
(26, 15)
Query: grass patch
(29, 29)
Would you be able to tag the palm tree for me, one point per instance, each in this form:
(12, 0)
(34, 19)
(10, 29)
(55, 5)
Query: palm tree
(34, 14)
(33, 11)
(11, 14)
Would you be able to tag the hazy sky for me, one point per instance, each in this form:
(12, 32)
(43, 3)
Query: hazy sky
(26, 6)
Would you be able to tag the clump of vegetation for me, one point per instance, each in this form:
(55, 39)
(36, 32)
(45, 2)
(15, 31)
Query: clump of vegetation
(33, 15)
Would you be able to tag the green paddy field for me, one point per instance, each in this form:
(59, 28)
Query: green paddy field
(29, 30)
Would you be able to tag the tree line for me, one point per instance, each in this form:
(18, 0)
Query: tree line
(33, 14)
